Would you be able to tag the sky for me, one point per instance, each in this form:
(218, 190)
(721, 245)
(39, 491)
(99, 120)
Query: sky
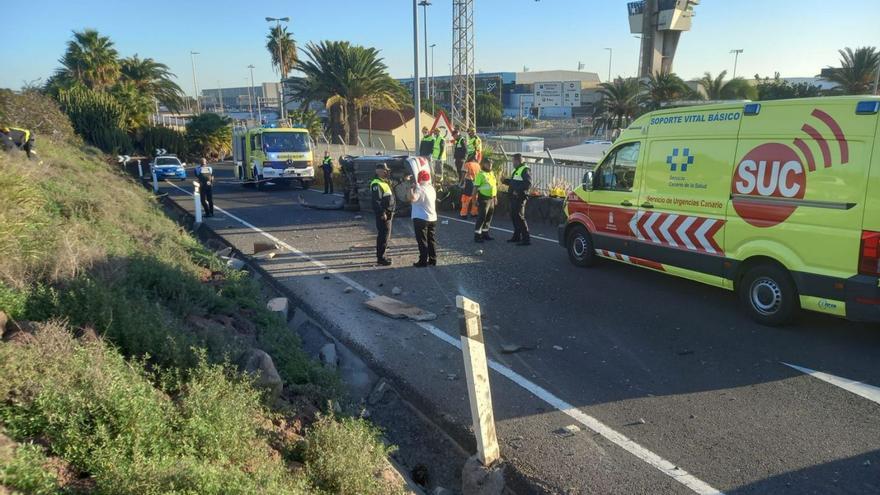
(794, 37)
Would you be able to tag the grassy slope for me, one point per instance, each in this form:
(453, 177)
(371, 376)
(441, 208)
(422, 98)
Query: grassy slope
(84, 247)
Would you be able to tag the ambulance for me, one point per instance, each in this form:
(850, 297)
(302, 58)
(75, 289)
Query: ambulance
(778, 201)
(273, 153)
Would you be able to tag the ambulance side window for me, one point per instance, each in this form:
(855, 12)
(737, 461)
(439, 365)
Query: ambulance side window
(618, 171)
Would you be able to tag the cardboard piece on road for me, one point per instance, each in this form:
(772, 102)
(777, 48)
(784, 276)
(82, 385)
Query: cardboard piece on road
(259, 247)
(398, 309)
(336, 204)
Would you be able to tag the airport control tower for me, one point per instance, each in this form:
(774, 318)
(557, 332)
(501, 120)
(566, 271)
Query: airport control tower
(660, 22)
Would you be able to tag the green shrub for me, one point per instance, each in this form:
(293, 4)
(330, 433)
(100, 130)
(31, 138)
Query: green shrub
(37, 112)
(334, 466)
(25, 470)
(203, 433)
(210, 135)
(97, 117)
(171, 140)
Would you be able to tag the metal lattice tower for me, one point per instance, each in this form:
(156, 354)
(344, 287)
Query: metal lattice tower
(463, 77)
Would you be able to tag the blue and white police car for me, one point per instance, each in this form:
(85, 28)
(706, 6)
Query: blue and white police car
(168, 167)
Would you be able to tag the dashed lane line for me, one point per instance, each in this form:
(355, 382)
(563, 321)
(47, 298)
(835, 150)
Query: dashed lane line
(664, 466)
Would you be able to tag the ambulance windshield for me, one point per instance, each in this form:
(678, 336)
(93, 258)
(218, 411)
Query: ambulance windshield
(286, 142)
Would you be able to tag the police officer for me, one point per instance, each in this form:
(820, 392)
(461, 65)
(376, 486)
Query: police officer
(426, 146)
(205, 175)
(327, 167)
(487, 189)
(475, 145)
(438, 154)
(383, 206)
(459, 152)
(519, 185)
(22, 139)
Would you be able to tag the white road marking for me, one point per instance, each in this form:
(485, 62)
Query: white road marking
(869, 392)
(666, 467)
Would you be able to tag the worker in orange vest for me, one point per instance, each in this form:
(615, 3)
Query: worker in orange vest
(468, 194)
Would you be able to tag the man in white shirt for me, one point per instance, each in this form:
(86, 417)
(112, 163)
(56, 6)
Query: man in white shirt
(423, 198)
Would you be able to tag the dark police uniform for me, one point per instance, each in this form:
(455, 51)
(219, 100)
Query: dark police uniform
(327, 167)
(519, 185)
(205, 174)
(383, 206)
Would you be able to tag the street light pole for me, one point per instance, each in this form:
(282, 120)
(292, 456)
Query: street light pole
(433, 87)
(417, 104)
(251, 93)
(639, 69)
(736, 53)
(425, 4)
(192, 57)
(220, 96)
(610, 53)
(278, 22)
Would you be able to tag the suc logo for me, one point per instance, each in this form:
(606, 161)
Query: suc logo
(774, 170)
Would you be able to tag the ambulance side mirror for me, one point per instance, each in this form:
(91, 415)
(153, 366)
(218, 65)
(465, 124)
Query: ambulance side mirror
(588, 180)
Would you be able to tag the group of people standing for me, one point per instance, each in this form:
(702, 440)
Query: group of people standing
(479, 195)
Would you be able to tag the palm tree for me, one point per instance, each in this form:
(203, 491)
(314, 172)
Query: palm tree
(663, 87)
(153, 80)
(279, 37)
(90, 60)
(719, 89)
(857, 70)
(346, 78)
(621, 99)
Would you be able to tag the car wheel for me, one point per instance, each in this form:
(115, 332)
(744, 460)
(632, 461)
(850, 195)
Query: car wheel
(580, 247)
(768, 294)
(260, 183)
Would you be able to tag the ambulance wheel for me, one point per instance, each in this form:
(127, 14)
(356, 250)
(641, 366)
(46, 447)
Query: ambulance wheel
(260, 184)
(305, 184)
(580, 247)
(768, 294)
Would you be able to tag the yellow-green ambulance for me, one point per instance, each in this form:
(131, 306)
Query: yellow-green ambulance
(777, 200)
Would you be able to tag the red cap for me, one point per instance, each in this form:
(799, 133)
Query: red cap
(424, 176)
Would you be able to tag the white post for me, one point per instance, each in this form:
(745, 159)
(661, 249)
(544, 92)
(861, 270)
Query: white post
(477, 373)
(140, 170)
(155, 182)
(198, 199)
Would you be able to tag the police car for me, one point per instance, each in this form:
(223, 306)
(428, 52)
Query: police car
(168, 167)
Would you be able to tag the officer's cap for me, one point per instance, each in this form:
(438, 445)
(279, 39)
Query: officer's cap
(382, 166)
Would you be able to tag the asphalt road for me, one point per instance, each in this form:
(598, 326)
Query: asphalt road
(675, 390)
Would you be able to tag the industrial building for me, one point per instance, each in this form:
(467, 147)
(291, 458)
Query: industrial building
(548, 94)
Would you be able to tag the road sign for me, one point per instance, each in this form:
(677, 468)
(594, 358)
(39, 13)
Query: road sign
(123, 159)
(548, 94)
(442, 123)
(160, 151)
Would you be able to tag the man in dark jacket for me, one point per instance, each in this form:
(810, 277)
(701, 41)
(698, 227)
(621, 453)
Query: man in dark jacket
(327, 168)
(426, 146)
(519, 184)
(459, 152)
(383, 207)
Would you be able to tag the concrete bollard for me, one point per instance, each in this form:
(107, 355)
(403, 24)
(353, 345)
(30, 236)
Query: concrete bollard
(197, 197)
(477, 373)
(155, 183)
(140, 170)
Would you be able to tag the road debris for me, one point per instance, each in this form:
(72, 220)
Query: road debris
(512, 348)
(398, 309)
(568, 431)
(348, 289)
(558, 348)
(396, 291)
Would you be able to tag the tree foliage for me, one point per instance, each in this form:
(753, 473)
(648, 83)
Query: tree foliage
(209, 135)
(347, 79)
(663, 87)
(90, 60)
(778, 89)
(717, 88)
(307, 119)
(171, 140)
(620, 100)
(282, 47)
(857, 71)
(488, 109)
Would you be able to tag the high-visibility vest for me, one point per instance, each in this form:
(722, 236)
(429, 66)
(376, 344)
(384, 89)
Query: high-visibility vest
(517, 174)
(485, 184)
(386, 189)
(426, 146)
(328, 160)
(475, 145)
(439, 152)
